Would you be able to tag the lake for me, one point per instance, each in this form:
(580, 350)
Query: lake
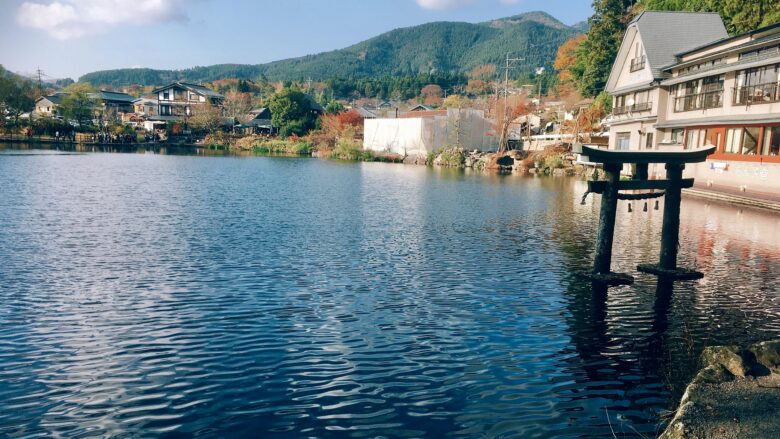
(162, 295)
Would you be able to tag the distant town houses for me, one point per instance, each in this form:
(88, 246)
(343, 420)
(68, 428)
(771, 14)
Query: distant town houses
(145, 107)
(680, 82)
(48, 106)
(258, 122)
(113, 100)
(181, 99)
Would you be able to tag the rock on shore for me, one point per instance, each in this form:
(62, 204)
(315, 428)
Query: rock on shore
(555, 161)
(735, 395)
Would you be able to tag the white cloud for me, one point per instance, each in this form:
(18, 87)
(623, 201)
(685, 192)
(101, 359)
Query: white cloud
(440, 5)
(67, 19)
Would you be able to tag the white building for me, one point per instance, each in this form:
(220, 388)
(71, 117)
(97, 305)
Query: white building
(412, 135)
(679, 82)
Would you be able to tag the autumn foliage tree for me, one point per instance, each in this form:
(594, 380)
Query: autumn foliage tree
(568, 66)
(432, 94)
(507, 110)
(484, 72)
(345, 125)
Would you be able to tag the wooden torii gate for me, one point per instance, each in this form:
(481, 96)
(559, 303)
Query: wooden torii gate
(610, 188)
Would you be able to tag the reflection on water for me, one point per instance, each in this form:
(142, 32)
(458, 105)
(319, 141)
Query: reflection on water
(292, 297)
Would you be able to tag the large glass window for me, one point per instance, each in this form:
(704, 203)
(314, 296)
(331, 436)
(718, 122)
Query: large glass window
(759, 85)
(698, 94)
(750, 140)
(733, 139)
(623, 141)
(771, 142)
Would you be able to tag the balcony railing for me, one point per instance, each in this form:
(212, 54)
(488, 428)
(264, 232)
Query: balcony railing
(638, 63)
(642, 106)
(699, 101)
(757, 94)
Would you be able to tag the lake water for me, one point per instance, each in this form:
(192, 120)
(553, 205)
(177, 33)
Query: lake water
(153, 295)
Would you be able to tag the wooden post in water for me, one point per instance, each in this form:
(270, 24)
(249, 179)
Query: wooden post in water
(609, 199)
(670, 231)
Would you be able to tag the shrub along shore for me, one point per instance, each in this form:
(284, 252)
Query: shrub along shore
(555, 160)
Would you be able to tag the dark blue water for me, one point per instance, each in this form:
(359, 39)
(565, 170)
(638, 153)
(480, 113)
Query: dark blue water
(148, 295)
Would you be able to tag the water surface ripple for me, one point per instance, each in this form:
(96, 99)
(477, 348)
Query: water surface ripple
(147, 295)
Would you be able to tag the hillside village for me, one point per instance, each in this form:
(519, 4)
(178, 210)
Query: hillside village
(678, 80)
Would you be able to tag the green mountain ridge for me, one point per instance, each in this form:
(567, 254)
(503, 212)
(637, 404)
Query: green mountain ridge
(438, 47)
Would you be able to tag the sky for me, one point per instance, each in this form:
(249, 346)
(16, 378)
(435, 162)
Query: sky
(68, 38)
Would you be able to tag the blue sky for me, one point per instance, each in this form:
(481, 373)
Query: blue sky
(67, 38)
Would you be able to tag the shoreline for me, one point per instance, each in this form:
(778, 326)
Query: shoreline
(734, 395)
(514, 161)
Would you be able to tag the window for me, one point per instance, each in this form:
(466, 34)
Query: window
(759, 85)
(620, 104)
(165, 110)
(765, 51)
(638, 63)
(733, 138)
(692, 140)
(623, 141)
(771, 142)
(677, 135)
(699, 94)
(166, 95)
(649, 141)
(750, 140)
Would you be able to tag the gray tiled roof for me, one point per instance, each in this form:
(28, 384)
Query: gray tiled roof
(199, 89)
(205, 91)
(55, 98)
(665, 34)
(364, 113)
(115, 96)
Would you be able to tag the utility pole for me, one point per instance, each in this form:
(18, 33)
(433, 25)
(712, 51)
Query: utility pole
(40, 79)
(504, 143)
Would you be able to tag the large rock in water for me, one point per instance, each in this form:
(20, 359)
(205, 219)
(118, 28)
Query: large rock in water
(768, 355)
(726, 356)
(736, 395)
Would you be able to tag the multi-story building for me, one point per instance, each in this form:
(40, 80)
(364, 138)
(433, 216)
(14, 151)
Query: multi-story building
(145, 107)
(179, 100)
(680, 82)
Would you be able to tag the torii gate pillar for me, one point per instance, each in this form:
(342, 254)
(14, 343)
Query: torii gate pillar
(610, 188)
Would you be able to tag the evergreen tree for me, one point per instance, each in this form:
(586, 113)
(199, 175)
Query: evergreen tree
(599, 50)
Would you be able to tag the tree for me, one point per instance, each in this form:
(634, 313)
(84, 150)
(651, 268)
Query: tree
(207, 118)
(598, 51)
(568, 65)
(78, 104)
(17, 96)
(237, 105)
(345, 125)
(478, 87)
(456, 101)
(291, 112)
(486, 72)
(739, 16)
(431, 94)
(507, 110)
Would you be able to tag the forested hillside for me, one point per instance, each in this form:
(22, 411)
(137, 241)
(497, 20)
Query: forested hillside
(434, 48)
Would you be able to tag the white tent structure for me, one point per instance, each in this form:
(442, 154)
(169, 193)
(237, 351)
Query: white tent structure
(417, 136)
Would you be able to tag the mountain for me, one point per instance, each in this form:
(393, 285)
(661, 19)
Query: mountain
(439, 47)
